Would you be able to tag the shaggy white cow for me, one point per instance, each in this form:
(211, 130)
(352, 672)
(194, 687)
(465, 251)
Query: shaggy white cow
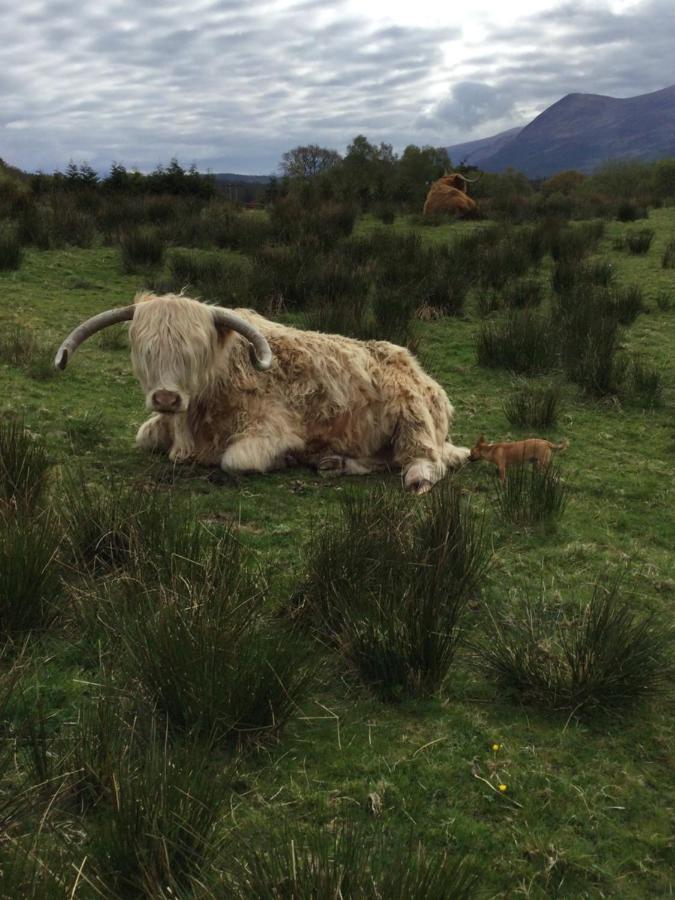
(237, 390)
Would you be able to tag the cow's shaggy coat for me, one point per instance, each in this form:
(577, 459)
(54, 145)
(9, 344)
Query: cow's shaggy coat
(342, 405)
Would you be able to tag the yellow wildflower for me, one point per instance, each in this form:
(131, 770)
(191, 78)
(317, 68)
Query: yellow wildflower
(502, 788)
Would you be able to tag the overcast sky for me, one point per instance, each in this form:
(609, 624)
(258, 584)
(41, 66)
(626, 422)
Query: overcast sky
(231, 84)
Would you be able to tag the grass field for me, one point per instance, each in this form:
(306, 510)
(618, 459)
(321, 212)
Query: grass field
(587, 809)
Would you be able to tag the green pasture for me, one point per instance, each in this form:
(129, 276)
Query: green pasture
(587, 810)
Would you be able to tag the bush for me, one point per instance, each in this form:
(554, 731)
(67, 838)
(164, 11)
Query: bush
(217, 277)
(625, 303)
(387, 586)
(349, 861)
(533, 406)
(11, 253)
(531, 494)
(209, 662)
(629, 211)
(644, 385)
(499, 263)
(159, 821)
(639, 242)
(522, 342)
(571, 243)
(24, 466)
(668, 258)
(141, 248)
(602, 657)
(30, 580)
(524, 293)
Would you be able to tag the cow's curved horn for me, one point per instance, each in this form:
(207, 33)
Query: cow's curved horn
(472, 180)
(261, 354)
(86, 329)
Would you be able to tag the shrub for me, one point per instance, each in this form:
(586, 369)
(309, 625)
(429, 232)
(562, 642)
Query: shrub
(385, 212)
(629, 211)
(159, 822)
(639, 242)
(141, 248)
(216, 276)
(521, 342)
(573, 242)
(11, 253)
(603, 656)
(668, 258)
(24, 465)
(347, 861)
(68, 225)
(387, 586)
(526, 292)
(531, 494)
(499, 263)
(625, 303)
(533, 406)
(644, 385)
(30, 581)
(209, 662)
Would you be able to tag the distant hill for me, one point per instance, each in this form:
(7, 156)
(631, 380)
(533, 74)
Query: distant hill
(474, 153)
(581, 131)
(231, 178)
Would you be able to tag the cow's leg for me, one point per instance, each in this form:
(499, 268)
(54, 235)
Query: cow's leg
(155, 434)
(260, 453)
(421, 448)
(183, 444)
(350, 465)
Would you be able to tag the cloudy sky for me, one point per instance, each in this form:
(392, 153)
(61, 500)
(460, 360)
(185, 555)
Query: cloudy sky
(232, 84)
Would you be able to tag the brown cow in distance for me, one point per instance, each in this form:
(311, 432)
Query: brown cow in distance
(448, 195)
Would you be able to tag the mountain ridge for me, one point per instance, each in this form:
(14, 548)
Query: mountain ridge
(581, 131)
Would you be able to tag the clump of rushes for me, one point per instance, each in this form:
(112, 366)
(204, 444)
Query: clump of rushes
(602, 656)
(668, 258)
(521, 342)
(526, 292)
(387, 585)
(205, 654)
(24, 466)
(348, 861)
(531, 494)
(11, 253)
(639, 242)
(159, 821)
(141, 248)
(533, 405)
(30, 578)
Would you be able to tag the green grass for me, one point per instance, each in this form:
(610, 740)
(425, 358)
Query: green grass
(585, 810)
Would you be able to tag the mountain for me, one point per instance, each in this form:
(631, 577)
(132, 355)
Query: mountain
(231, 178)
(474, 153)
(581, 131)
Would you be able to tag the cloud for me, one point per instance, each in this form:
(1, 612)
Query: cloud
(468, 105)
(232, 84)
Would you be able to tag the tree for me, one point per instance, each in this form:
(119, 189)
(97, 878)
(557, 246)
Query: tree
(306, 162)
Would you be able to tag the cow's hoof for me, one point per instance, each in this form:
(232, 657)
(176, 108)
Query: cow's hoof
(180, 454)
(423, 486)
(332, 464)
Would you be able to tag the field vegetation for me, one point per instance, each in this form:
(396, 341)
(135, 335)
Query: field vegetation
(298, 686)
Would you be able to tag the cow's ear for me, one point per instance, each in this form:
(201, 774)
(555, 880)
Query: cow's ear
(481, 439)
